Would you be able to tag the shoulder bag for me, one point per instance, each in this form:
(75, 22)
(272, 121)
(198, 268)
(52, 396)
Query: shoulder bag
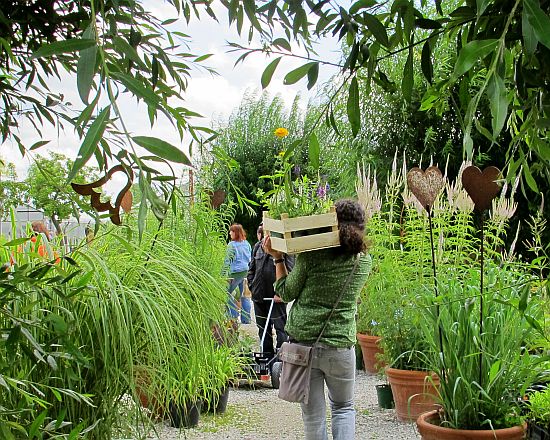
(296, 359)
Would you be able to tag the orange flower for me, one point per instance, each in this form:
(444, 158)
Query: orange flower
(281, 132)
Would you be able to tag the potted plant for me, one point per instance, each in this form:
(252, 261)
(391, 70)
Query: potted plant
(394, 288)
(483, 370)
(300, 216)
(538, 415)
(414, 386)
(224, 365)
(384, 395)
(388, 309)
(371, 309)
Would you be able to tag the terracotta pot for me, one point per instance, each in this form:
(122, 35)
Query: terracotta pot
(412, 392)
(429, 430)
(145, 396)
(370, 348)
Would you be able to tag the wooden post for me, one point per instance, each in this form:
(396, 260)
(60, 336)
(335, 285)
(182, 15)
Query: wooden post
(191, 188)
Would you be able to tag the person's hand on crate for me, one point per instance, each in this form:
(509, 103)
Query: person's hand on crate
(277, 255)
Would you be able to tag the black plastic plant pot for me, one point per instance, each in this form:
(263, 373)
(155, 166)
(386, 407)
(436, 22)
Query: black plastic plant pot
(220, 402)
(359, 358)
(385, 396)
(185, 415)
(537, 432)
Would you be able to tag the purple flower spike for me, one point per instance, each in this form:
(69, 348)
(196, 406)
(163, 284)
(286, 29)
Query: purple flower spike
(321, 192)
(296, 170)
(327, 187)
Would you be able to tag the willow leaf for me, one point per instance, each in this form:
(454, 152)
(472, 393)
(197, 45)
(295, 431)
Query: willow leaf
(162, 149)
(269, 71)
(92, 138)
(65, 46)
(353, 109)
(539, 20)
(471, 53)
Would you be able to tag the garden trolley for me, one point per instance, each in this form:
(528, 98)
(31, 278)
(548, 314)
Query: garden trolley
(263, 366)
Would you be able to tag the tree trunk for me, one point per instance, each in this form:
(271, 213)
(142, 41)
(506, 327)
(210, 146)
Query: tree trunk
(59, 232)
(57, 224)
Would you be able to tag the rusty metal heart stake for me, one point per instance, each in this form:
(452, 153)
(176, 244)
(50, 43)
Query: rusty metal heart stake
(425, 185)
(217, 198)
(481, 186)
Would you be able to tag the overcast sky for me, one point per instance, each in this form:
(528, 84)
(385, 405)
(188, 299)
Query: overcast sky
(215, 97)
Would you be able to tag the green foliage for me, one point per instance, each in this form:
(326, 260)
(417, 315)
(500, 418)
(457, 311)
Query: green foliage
(109, 49)
(539, 407)
(483, 372)
(119, 313)
(497, 52)
(48, 188)
(247, 144)
(294, 194)
(39, 346)
(429, 318)
(402, 270)
(11, 191)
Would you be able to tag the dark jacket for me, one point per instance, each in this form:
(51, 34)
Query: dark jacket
(261, 273)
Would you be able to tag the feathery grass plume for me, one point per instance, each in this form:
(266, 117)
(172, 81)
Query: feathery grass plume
(367, 191)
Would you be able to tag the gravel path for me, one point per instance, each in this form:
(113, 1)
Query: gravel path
(256, 413)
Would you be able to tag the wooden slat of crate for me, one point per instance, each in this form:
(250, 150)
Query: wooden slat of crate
(307, 243)
(286, 226)
(310, 222)
(300, 223)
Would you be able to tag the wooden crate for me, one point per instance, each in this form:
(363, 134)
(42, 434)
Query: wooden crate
(283, 232)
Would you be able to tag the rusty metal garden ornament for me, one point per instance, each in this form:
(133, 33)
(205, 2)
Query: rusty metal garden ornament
(425, 185)
(217, 198)
(124, 198)
(482, 187)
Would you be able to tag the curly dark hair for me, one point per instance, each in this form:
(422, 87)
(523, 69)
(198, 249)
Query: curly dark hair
(351, 225)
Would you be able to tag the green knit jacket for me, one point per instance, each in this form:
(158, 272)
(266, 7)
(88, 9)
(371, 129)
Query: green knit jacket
(314, 285)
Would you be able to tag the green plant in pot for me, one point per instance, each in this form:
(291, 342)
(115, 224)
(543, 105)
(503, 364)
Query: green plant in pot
(401, 255)
(296, 192)
(372, 308)
(225, 366)
(538, 414)
(391, 293)
(483, 370)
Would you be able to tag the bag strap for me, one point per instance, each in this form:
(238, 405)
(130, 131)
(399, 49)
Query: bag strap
(346, 285)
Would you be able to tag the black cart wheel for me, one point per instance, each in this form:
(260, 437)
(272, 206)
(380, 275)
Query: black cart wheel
(276, 374)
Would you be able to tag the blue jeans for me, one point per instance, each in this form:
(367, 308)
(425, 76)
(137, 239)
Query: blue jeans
(246, 303)
(336, 368)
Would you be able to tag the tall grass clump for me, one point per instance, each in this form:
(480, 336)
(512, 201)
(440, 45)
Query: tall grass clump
(116, 316)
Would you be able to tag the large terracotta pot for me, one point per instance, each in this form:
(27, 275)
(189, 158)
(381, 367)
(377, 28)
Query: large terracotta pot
(413, 393)
(370, 348)
(429, 430)
(145, 395)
